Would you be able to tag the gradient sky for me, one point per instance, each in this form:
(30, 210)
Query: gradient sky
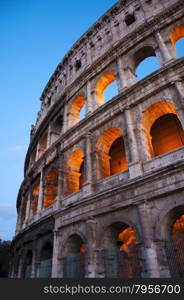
(34, 37)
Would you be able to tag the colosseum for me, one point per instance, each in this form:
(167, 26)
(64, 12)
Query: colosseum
(103, 191)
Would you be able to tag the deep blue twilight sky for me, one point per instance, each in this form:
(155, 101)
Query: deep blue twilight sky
(34, 37)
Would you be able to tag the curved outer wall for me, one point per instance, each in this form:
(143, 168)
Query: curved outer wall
(146, 196)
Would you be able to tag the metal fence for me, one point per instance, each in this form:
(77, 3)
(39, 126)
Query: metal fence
(28, 271)
(175, 257)
(120, 264)
(45, 268)
(74, 266)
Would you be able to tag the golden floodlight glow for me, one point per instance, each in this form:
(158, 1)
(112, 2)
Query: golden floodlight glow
(101, 86)
(176, 34)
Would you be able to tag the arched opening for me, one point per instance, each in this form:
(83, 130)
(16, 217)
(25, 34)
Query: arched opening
(146, 67)
(51, 187)
(28, 265)
(75, 174)
(121, 257)
(77, 110)
(34, 198)
(167, 134)
(111, 153)
(152, 113)
(83, 112)
(173, 229)
(145, 62)
(106, 88)
(74, 258)
(56, 129)
(42, 145)
(177, 40)
(45, 266)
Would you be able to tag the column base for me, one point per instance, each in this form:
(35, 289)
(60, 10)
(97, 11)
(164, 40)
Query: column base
(135, 169)
(87, 188)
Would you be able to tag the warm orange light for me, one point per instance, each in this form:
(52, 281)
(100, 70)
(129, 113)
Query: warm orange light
(154, 112)
(51, 187)
(102, 84)
(167, 134)
(34, 199)
(74, 113)
(176, 34)
(42, 144)
(111, 154)
(74, 163)
(128, 237)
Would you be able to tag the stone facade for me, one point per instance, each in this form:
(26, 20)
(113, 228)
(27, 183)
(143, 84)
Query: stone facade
(71, 209)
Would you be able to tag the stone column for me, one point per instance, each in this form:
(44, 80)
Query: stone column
(89, 99)
(41, 194)
(37, 151)
(20, 267)
(88, 51)
(65, 118)
(28, 207)
(34, 260)
(91, 249)
(179, 101)
(58, 201)
(55, 262)
(114, 31)
(163, 48)
(87, 186)
(149, 254)
(135, 166)
(120, 74)
(18, 225)
(49, 136)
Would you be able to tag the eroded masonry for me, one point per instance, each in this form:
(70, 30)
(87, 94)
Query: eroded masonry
(103, 192)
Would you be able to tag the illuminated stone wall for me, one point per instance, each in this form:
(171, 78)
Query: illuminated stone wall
(109, 183)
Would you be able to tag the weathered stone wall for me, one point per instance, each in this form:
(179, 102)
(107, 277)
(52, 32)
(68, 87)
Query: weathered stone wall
(148, 196)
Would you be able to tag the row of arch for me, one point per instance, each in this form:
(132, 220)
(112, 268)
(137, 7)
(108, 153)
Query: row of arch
(106, 88)
(162, 131)
(121, 256)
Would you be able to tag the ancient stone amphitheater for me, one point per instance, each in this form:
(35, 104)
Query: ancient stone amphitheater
(103, 192)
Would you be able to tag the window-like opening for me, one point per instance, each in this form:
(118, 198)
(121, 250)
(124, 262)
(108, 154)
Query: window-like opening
(34, 199)
(103, 83)
(45, 267)
(75, 172)
(28, 266)
(74, 259)
(51, 187)
(118, 162)
(145, 62)
(42, 145)
(180, 48)
(111, 153)
(83, 112)
(111, 91)
(56, 129)
(146, 67)
(76, 113)
(78, 65)
(149, 117)
(167, 134)
(176, 36)
(130, 19)
(121, 256)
